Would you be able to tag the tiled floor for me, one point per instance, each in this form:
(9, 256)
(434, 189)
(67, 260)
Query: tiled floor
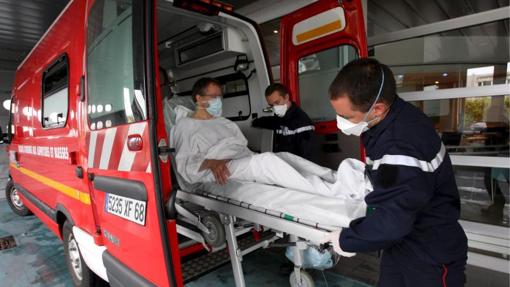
(38, 260)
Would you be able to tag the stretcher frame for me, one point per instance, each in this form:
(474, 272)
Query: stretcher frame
(302, 233)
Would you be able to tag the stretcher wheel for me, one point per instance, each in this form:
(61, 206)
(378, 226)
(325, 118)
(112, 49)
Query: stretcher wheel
(216, 236)
(306, 280)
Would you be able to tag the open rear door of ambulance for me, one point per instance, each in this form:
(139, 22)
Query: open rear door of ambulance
(122, 156)
(316, 42)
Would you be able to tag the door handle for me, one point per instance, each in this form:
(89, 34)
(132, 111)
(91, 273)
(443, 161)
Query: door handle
(79, 171)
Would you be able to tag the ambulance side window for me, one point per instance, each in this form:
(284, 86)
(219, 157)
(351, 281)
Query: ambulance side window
(115, 64)
(316, 72)
(236, 97)
(55, 94)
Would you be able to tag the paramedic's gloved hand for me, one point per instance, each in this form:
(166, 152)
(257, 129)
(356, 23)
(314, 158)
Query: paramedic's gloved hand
(334, 238)
(219, 169)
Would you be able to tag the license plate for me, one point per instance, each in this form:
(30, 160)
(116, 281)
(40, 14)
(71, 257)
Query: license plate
(127, 208)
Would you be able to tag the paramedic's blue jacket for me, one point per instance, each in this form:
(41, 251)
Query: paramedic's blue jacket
(414, 208)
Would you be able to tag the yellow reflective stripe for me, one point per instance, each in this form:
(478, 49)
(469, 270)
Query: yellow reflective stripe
(67, 190)
(319, 31)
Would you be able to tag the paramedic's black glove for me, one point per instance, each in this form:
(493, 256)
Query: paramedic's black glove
(270, 123)
(256, 123)
(219, 169)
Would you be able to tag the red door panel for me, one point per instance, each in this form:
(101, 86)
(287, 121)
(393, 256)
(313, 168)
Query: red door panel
(314, 28)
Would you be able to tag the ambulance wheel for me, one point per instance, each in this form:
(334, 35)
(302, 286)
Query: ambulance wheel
(306, 280)
(216, 236)
(82, 276)
(13, 199)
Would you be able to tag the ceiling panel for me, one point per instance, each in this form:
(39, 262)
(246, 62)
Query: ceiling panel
(393, 15)
(22, 23)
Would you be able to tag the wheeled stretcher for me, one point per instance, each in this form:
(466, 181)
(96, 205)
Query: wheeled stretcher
(207, 216)
(211, 219)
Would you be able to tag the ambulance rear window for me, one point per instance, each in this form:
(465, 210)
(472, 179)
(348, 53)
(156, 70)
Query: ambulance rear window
(55, 94)
(115, 64)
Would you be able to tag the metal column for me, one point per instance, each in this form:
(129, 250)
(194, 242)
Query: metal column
(235, 253)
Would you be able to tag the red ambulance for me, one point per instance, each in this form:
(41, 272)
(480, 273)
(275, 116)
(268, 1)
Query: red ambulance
(88, 147)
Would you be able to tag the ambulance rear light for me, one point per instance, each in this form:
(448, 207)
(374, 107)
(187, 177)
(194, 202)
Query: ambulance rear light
(206, 7)
(135, 142)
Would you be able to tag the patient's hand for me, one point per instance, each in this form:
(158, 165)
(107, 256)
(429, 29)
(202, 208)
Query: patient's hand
(219, 169)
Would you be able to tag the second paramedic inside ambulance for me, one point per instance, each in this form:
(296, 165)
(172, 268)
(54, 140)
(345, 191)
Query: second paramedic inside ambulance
(415, 204)
(291, 124)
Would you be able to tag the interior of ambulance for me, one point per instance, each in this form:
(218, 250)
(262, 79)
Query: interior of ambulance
(192, 46)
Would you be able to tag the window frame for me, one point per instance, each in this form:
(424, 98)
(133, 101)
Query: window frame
(355, 49)
(138, 62)
(233, 77)
(62, 57)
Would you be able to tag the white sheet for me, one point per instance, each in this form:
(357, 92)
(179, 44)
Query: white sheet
(281, 182)
(329, 211)
(198, 140)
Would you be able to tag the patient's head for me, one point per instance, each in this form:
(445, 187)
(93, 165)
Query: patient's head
(207, 94)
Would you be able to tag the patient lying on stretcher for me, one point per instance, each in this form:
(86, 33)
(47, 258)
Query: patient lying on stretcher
(210, 148)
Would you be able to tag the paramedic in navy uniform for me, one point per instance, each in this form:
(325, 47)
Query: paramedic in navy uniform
(292, 126)
(414, 209)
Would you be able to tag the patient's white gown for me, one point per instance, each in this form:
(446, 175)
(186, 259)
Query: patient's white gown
(219, 138)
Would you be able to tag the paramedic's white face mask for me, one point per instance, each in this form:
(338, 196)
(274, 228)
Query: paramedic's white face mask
(350, 128)
(280, 110)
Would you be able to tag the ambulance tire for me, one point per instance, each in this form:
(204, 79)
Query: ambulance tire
(15, 203)
(81, 275)
(216, 236)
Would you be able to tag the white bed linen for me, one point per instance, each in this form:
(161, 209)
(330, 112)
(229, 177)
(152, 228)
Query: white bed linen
(325, 210)
(314, 193)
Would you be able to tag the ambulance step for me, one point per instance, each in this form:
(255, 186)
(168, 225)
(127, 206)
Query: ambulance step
(201, 265)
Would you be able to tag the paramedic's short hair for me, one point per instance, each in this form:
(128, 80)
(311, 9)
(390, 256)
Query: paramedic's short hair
(276, 87)
(360, 81)
(201, 85)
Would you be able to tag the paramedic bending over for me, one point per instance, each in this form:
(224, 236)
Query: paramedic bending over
(414, 209)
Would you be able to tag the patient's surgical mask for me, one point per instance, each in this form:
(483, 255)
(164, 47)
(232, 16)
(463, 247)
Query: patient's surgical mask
(280, 110)
(350, 128)
(215, 107)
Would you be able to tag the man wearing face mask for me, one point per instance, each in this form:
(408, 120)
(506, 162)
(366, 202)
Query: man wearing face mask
(414, 209)
(208, 127)
(292, 126)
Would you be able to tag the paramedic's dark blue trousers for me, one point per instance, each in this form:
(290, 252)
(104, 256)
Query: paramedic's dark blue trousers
(412, 272)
